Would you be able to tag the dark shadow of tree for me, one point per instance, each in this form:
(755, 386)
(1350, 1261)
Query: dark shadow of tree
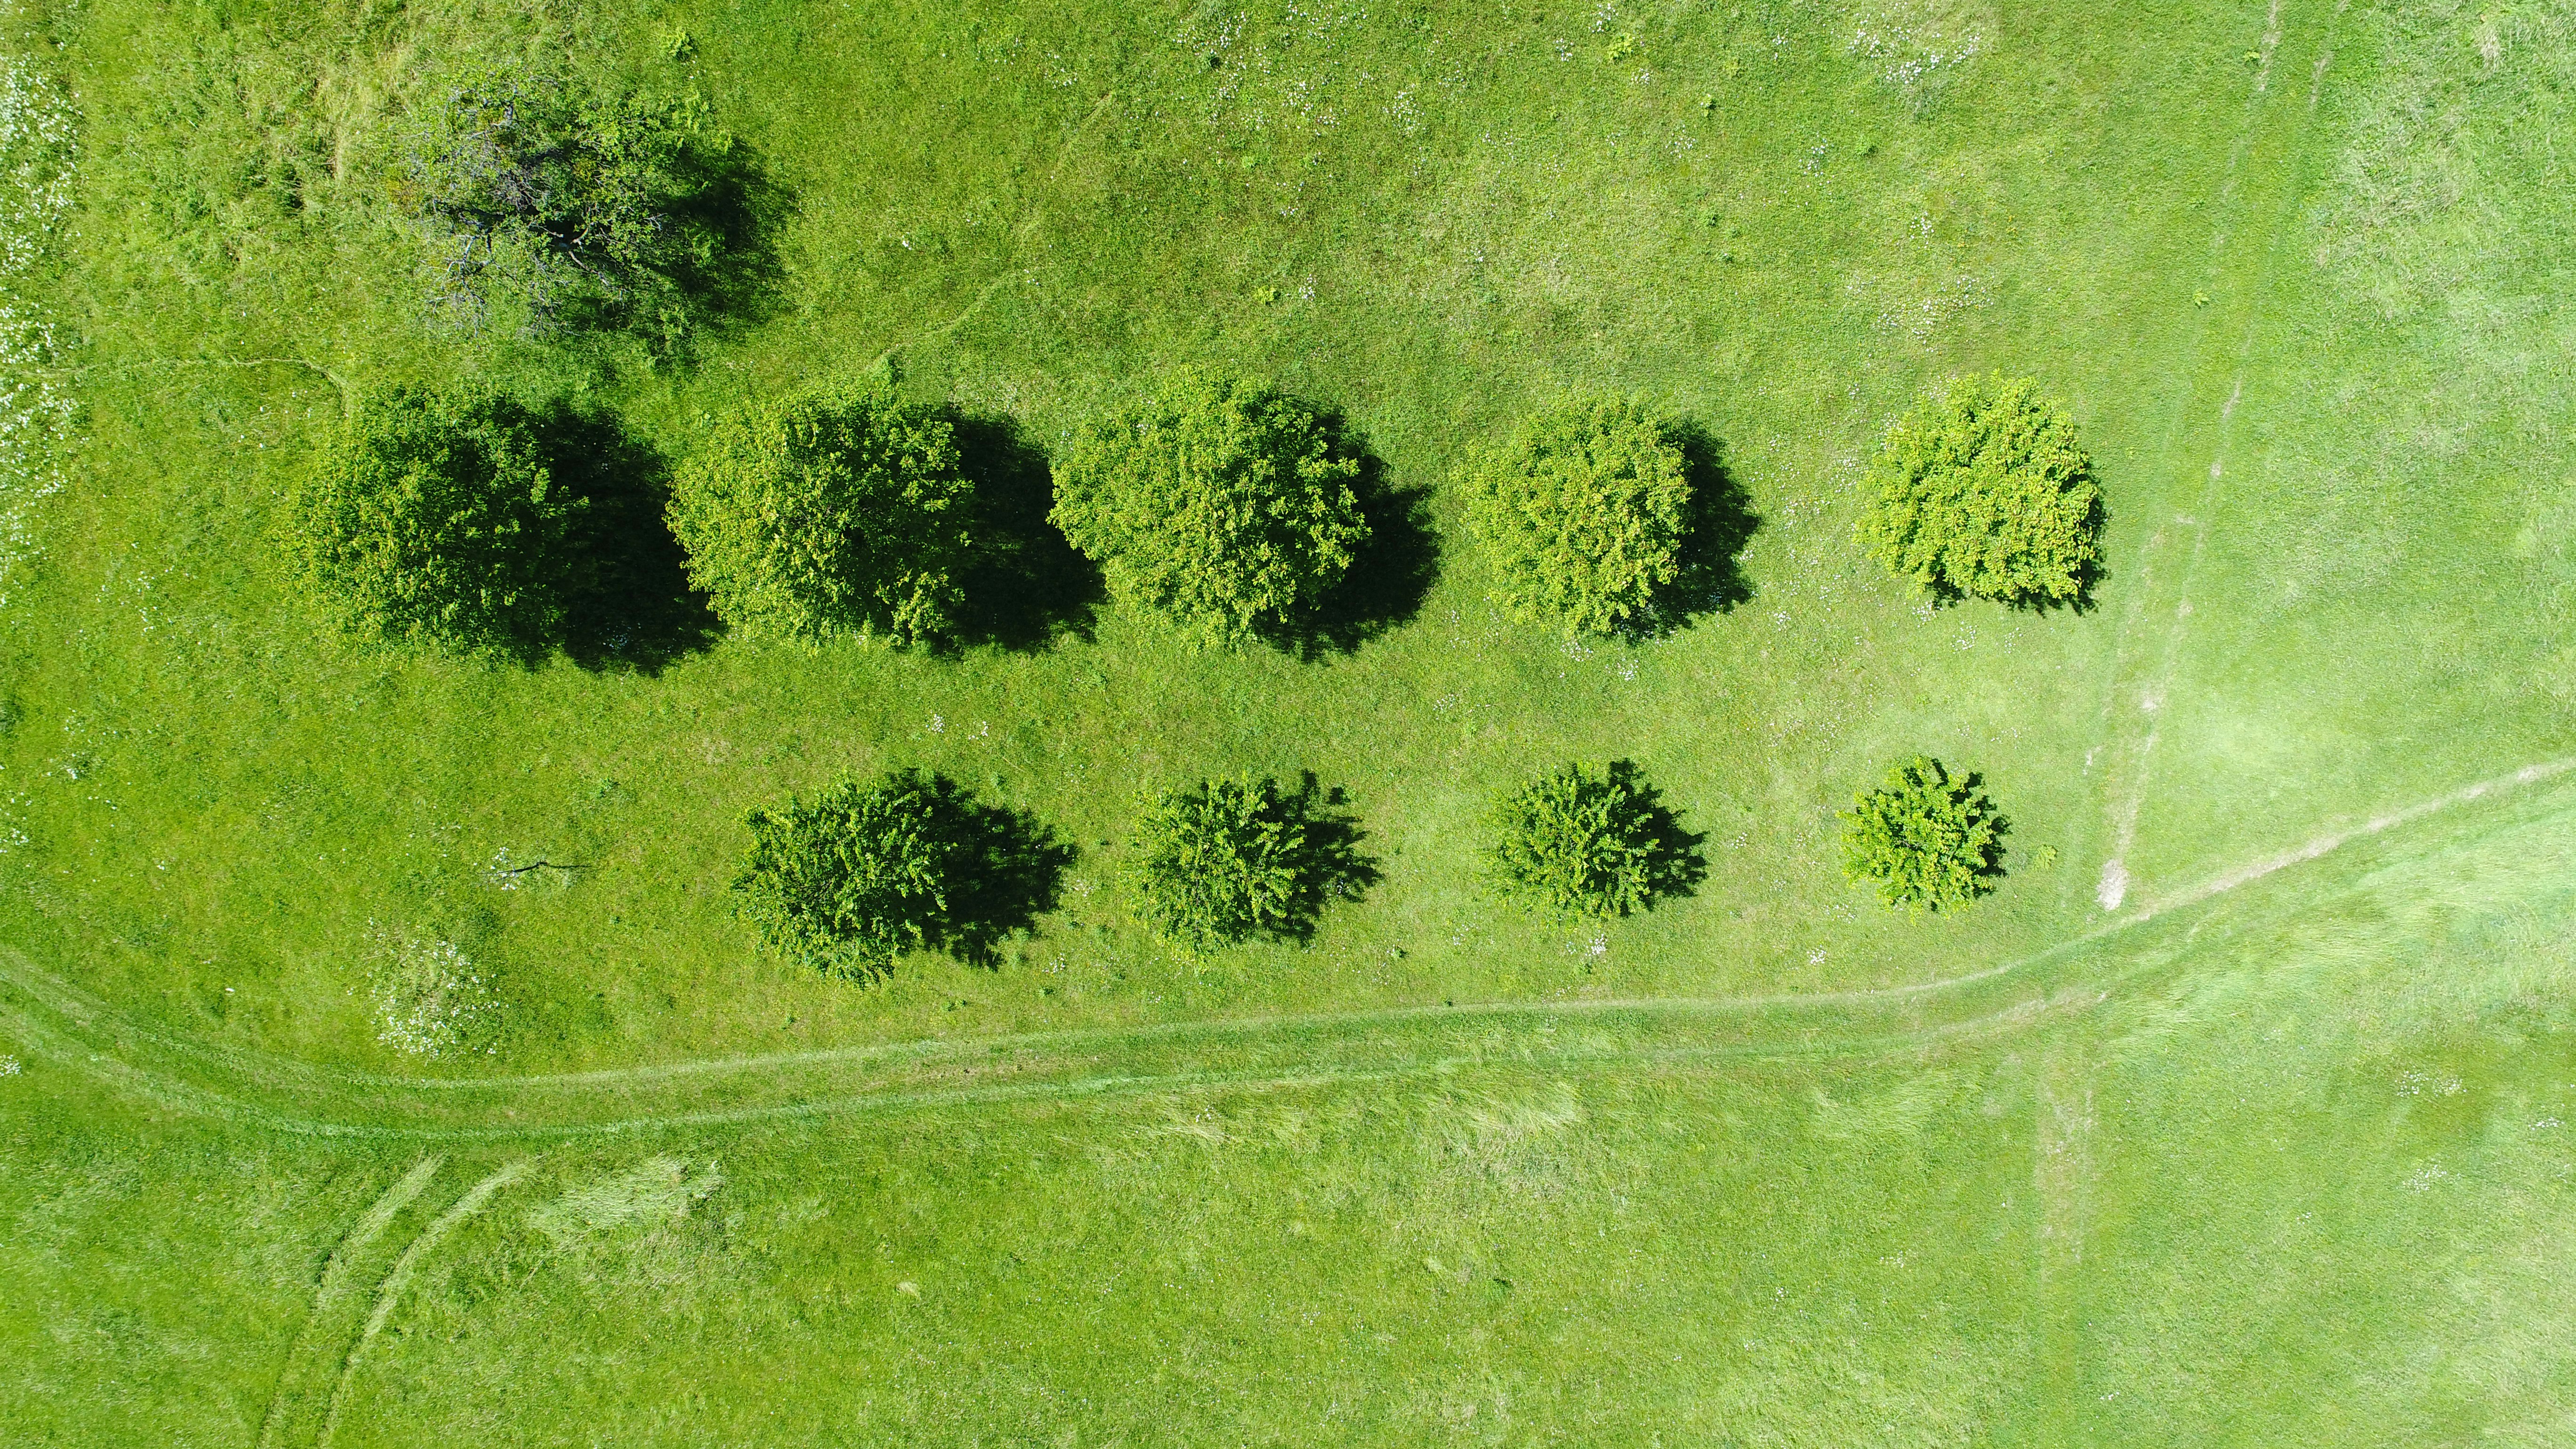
(1003, 869)
(1027, 585)
(1325, 856)
(1990, 865)
(1720, 525)
(729, 213)
(1674, 864)
(1391, 572)
(628, 604)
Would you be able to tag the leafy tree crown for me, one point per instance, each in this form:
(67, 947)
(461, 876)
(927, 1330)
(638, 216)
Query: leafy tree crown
(1924, 839)
(547, 202)
(432, 516)
(1984, 491)
(1578, 843)
(1226, 860)
(1583, 513)
(838, 511)
(1214, 501)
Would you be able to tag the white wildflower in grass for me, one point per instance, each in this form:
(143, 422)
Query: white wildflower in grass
(8, 1066)
(427, 998)
(2424, 1178)
(2421, 1083)
(1918, 42)
(37, 140)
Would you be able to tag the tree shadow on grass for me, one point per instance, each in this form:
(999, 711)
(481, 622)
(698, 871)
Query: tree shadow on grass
(1721, 524)
(628, 604)
(732, 212)
(1027, 584)
(1004, 867)
(1391, 572)
(1327, 858)
(1674, 865)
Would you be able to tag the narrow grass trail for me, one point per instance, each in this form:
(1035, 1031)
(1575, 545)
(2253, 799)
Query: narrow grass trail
(2524, 818)
(2267, 174)
(2266, 184)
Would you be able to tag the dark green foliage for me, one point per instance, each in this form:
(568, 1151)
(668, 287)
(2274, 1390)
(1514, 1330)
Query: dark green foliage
(1924, 839)
(1576, 844)
(544, 203)
(1583, 513)
(1229, 859)
(838, 511)
(434, 517)
(1213, 501)
(1984, 491)
(866, 871)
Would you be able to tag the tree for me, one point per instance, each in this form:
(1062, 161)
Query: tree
(1583, 514)
(1214, 501)
(1226, 860)
(1927, 841)
(1983, 490)
(838, 511)
(1574, 844)
(433, 516)
(866, 871)
(547, 203)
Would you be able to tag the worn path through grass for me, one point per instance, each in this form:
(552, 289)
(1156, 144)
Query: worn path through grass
(264, 1090)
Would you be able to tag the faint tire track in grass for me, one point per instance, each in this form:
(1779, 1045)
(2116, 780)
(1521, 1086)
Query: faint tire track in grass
(301, 1379)
(1010, 271)
(2128, 797)
(389, 1292)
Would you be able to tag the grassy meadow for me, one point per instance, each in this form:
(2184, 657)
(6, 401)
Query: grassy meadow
(2232, 1117)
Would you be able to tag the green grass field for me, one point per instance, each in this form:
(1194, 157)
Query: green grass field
(2234, 1116)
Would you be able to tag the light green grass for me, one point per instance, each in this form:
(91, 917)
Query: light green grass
(1541, 223)
(2270, 1165)
(2279, 1167)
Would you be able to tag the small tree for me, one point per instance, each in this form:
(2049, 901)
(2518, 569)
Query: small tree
(839, 511)
(1927, 841)
(549, 204)
(432, 516)
(865, 871)
(1226, 860)
(1576, 844)
(1983, 491)
(1214, 501)
(1582, 513)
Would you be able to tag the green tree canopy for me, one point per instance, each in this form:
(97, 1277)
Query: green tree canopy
(867, 870)
(1924, 839)
(1577, 843)
(1583, 513)
(432, 516)
(1983, 490)
(838, 511)
(546, 202)
(1213, 501)
(1226, 860)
